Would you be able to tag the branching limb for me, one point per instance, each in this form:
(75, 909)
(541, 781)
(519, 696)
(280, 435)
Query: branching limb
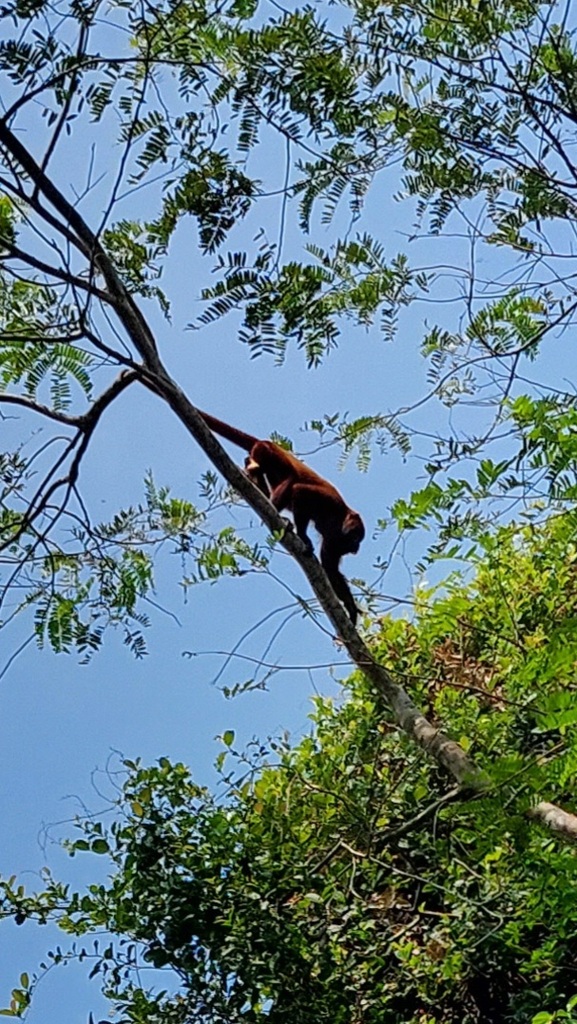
(129, 313)
(85, 422)
(14, 252)
(85, 426)
(469, 777)
(409, 717)
(44, 410)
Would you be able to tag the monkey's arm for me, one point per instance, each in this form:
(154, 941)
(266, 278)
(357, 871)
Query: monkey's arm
(255, 473)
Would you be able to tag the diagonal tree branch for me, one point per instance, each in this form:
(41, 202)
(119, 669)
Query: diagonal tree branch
(563, 824)
(14, 252)
(469, 776)
(126, 308)
(408, 715)
(437, 744)
(44, 410)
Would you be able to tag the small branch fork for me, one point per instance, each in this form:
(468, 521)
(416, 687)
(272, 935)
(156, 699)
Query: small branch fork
(471, 780)
(85, 425)
(86, 422)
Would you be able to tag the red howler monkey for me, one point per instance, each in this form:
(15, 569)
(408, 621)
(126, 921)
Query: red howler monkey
(289, 484)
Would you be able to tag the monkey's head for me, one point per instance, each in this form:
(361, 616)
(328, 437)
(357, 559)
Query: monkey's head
(254, 472)
(353, 532)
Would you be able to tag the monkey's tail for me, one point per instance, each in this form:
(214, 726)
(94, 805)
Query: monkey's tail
(246, 441)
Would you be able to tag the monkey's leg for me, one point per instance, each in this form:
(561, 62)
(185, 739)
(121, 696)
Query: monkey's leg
(282, 495)
(330, 563)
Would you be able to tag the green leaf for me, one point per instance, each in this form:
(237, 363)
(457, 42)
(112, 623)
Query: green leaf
(99, 846)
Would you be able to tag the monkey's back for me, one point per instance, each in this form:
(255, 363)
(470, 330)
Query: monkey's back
(277, 463)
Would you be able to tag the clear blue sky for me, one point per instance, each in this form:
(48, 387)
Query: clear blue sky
(60, 721)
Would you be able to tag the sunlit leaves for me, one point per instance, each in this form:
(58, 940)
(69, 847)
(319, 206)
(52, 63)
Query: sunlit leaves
(549, 442)
(515, 321)
(227, 555)
(32, 322)
(214, 192)
(102, 579)
(358, 436)
(136, 250)
(170, 515)
(78, 605)
(306, 302)
(427, 503)
(8, 218)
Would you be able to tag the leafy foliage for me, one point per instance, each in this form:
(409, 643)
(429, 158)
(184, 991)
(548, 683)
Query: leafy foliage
(337, 879)
(31, 314)
(102, 578)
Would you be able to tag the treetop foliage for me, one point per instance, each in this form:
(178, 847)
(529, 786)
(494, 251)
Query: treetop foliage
(338, 877)
(466, 109)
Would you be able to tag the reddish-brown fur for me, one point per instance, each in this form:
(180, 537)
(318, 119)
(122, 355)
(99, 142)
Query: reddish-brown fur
(292, 485)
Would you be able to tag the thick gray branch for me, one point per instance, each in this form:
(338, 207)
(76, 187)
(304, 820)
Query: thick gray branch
(562, 823)
(433, 741)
